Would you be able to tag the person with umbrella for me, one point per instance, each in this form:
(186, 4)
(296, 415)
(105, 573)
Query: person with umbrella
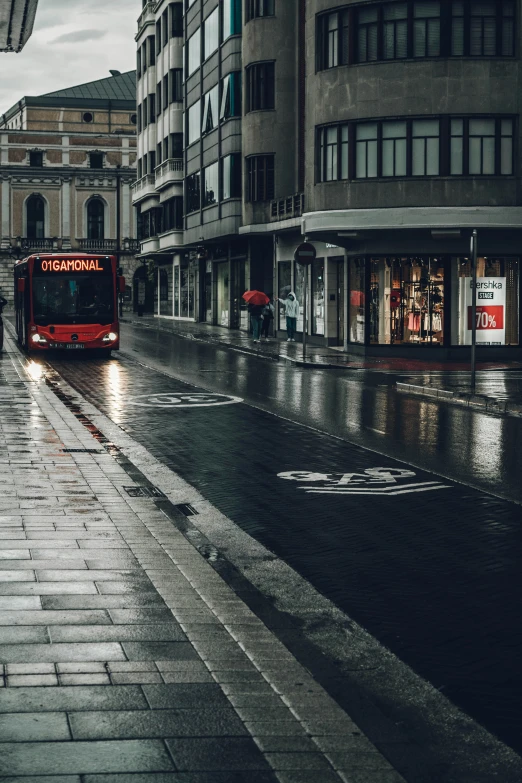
(256, 301)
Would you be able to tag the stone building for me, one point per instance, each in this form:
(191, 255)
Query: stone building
(67, 163)
(16, 23)
(383, 131)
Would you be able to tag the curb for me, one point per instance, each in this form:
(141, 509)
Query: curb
(489, 404)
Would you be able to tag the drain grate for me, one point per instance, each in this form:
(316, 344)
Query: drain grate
(82, 451)
(186, 509)
(144, 492)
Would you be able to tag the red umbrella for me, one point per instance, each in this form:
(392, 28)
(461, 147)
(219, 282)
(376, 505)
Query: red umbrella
(256, 297)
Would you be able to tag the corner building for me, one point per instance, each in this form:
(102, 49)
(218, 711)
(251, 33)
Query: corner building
(384, 133)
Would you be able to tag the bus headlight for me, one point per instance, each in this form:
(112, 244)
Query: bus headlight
(109, 338)
(38, 338)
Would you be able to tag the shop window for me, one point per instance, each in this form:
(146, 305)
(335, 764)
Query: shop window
(497, 315)
(210, 110)
(406, 301)
(95, 219)
(231, 96)
(194, 122)
(260, 170)
(231, 176)
(176, 20)
(35, 217)
(176, 85)
(231, 18)
(300, 273)
(425, 148)
(356, 310)
(394, 149)
(318, 305)
(193, 192)
(284, 286)
(260, 86)
(210, 184)
(176, 292)
(211, 33)
(194, 52)
(366, 150)
(165, 288)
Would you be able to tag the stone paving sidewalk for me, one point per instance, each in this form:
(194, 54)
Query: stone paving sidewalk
(124, 656)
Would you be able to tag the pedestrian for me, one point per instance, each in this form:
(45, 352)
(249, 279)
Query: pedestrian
(268, 317)
(256, 319)
(291, 306)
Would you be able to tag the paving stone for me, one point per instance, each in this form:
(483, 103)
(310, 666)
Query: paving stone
(23, 680)
(132, 666)
(42, 779)
(16, 602)
(140, 616)
(201, 722)
(84, 757)
(81, 667)
(119, 588)
(72, 698)
(286, 744)
(169, 632)
(33, 727)
(173, 677)
(143, 651)
(40, 617)
(125, 678)
(85, 679)
(24, 635)
(277, 728)
(307, 776)
(248, 776)
(216, 754)
(89, 575)
(307, 761)
(101, 601)
(14, 554)
(46, 588)
(17, 576)
(25, 653)
(30, 668)
(190, 696)
(379, 776)
(71, 564)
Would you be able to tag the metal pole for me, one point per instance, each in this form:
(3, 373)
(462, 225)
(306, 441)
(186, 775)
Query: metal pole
(473, 309)
(304, 313)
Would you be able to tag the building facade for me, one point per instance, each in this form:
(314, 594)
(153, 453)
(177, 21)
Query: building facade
(67, 163)
(383, 132)
(16, 23)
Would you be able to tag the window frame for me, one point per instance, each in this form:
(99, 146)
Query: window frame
(260, 171)
(258, 9)
(260, 86)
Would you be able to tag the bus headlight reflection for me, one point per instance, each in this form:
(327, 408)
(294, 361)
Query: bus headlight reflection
(38, 338)
(110, 338)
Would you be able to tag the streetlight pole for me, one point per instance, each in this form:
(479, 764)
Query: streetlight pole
(473, 307)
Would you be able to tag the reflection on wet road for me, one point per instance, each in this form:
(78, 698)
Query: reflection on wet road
(429, 567)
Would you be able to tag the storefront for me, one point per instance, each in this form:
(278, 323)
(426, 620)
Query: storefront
(176, 285)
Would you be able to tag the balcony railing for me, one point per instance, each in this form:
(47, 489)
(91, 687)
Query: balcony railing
(28, 245)
(171, 170)
(289, 207)
(97, 245)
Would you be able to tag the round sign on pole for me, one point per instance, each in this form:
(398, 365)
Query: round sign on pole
(305, 253)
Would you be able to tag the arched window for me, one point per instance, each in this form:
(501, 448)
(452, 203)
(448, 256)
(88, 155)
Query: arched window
(35, 217)
(95, 219)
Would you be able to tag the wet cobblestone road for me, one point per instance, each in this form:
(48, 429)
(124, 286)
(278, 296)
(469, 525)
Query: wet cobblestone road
(431, 568)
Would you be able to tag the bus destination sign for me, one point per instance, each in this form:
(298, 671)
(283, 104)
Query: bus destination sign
(71, 265)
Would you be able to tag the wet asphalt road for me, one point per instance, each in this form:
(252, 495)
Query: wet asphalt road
(430, 567)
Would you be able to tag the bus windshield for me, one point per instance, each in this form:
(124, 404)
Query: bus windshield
(72, 299)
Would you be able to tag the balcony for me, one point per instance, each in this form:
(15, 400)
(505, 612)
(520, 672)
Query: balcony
(147, 15)
(287, 208)
(168, 172)
(97, 245)
(146, 186)
(170, 240)
(28, 246)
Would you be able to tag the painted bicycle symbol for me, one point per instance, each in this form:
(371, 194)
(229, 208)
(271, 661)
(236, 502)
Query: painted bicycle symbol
(183, 400)
(373, 481)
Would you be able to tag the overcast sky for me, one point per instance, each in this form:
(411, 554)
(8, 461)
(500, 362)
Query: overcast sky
(73, 42)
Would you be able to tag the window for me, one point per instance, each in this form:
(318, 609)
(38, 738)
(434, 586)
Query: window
(158, 36)
(133, 119)
(173, 214)
(366, 150)
(395, 31)
(176, 20)
(165, 91)
(144, 57)
(231, 176)
(507, 48)
(176, 85)
(194, 122)
(193, 192)
(231, 96)
(231, 18)
(211, 33)
(367, 34)
(159, 151)
(394, 149)
(145, 109)
(152, 162)
(96, 160)
(165, 148)
(260, 178)
(87, 117)
(481, 146)
(333, 37)
(426, 29)
(138, 63)
(258, 8)
(158, 99)
(36, 159)
(152, 108)
(333, 153)
(425, 148)
(35, 214)
(506, 146)
(210, 184)
(210, 110)
(457, 147)
(165, 26)
(151, 41)
(194, 52)
(260, 86)
(483, 29)
(95, 219)
(176, 145)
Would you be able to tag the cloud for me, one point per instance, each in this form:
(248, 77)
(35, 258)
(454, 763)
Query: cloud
(80, 35)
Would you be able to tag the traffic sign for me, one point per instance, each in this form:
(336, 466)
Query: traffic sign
(305, 253)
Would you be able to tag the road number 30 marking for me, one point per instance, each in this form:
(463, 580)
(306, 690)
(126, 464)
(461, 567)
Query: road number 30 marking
(188, 400)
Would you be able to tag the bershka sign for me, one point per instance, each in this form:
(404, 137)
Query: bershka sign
(72, 265)
(491, 310)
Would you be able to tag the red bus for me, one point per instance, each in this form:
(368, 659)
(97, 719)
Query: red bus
(67, 300)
